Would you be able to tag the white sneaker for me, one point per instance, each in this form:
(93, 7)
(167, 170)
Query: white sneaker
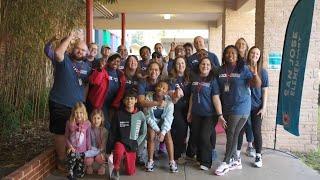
(235, 164)
(251, 152)
(258, 162)
(173, 167)
(205, 168)
(150, 166)
(222, 169)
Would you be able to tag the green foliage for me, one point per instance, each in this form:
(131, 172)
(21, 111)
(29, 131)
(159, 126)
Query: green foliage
(25, 27)
(9, 119)
(312, 159)
(44, 98)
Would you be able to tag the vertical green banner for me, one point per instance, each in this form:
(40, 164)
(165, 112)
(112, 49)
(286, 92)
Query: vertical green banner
(294, 57)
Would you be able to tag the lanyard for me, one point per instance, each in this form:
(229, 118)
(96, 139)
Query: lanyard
(229, 73)
(199, 88)
(200, 85)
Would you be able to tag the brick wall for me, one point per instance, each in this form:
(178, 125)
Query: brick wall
(271, 21)
(37, 168)
(238, 24)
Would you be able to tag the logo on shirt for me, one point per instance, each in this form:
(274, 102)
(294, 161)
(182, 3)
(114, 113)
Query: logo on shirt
(194, 61)
(233, 75)
(131, 82)
(124, 124)
(115, 79)
(205, 84)
(85, 72)
(156, 107)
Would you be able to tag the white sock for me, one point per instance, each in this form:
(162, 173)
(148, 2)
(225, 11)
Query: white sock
(172, 161)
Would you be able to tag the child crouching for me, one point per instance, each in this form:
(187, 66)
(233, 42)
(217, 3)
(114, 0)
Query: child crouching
(98, 137)
(78, 140)
(159, 121)
(128, 129)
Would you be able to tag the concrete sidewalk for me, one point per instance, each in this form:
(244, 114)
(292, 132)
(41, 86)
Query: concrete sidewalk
(276, 165)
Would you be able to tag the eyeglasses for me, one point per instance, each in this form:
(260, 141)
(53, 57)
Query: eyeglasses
(157, 56)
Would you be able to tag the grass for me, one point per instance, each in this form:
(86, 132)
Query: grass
(312, 159)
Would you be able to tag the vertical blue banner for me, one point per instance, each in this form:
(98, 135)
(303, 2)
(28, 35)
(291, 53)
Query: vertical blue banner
(294, 57)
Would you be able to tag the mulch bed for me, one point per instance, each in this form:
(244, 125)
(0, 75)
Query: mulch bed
(23, 145)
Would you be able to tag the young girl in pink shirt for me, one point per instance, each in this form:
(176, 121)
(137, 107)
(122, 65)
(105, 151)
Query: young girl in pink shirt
(78, 140)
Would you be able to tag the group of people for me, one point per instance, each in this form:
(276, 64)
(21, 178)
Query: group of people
(136, 104)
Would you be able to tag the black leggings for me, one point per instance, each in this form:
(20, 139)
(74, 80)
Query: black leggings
(202, 128)
(256, 121)
(179, 130)
(191, 148)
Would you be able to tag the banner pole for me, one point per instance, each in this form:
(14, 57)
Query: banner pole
(275, 137)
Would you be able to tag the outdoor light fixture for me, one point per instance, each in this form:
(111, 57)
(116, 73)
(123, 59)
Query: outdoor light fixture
(167, 16)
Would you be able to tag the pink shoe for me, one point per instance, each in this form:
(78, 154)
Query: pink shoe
(102, 170)
(89, 170)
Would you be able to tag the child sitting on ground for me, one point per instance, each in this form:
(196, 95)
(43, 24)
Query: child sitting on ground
(128, 130)
(78, 140)
(98, 137)
(159, 121)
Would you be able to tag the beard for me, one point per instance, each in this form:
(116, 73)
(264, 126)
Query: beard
(75, 57)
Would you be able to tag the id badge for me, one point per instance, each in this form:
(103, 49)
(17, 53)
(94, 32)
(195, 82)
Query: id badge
(227, 87)
(80, 81)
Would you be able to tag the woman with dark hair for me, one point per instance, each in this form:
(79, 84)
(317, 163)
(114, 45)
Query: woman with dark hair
(258, 103)
(235, 79)
(144, 86)
(108, 86)
(204, 111)
(130, 71)
(180, 93)
(243, 48)
(147, 85)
